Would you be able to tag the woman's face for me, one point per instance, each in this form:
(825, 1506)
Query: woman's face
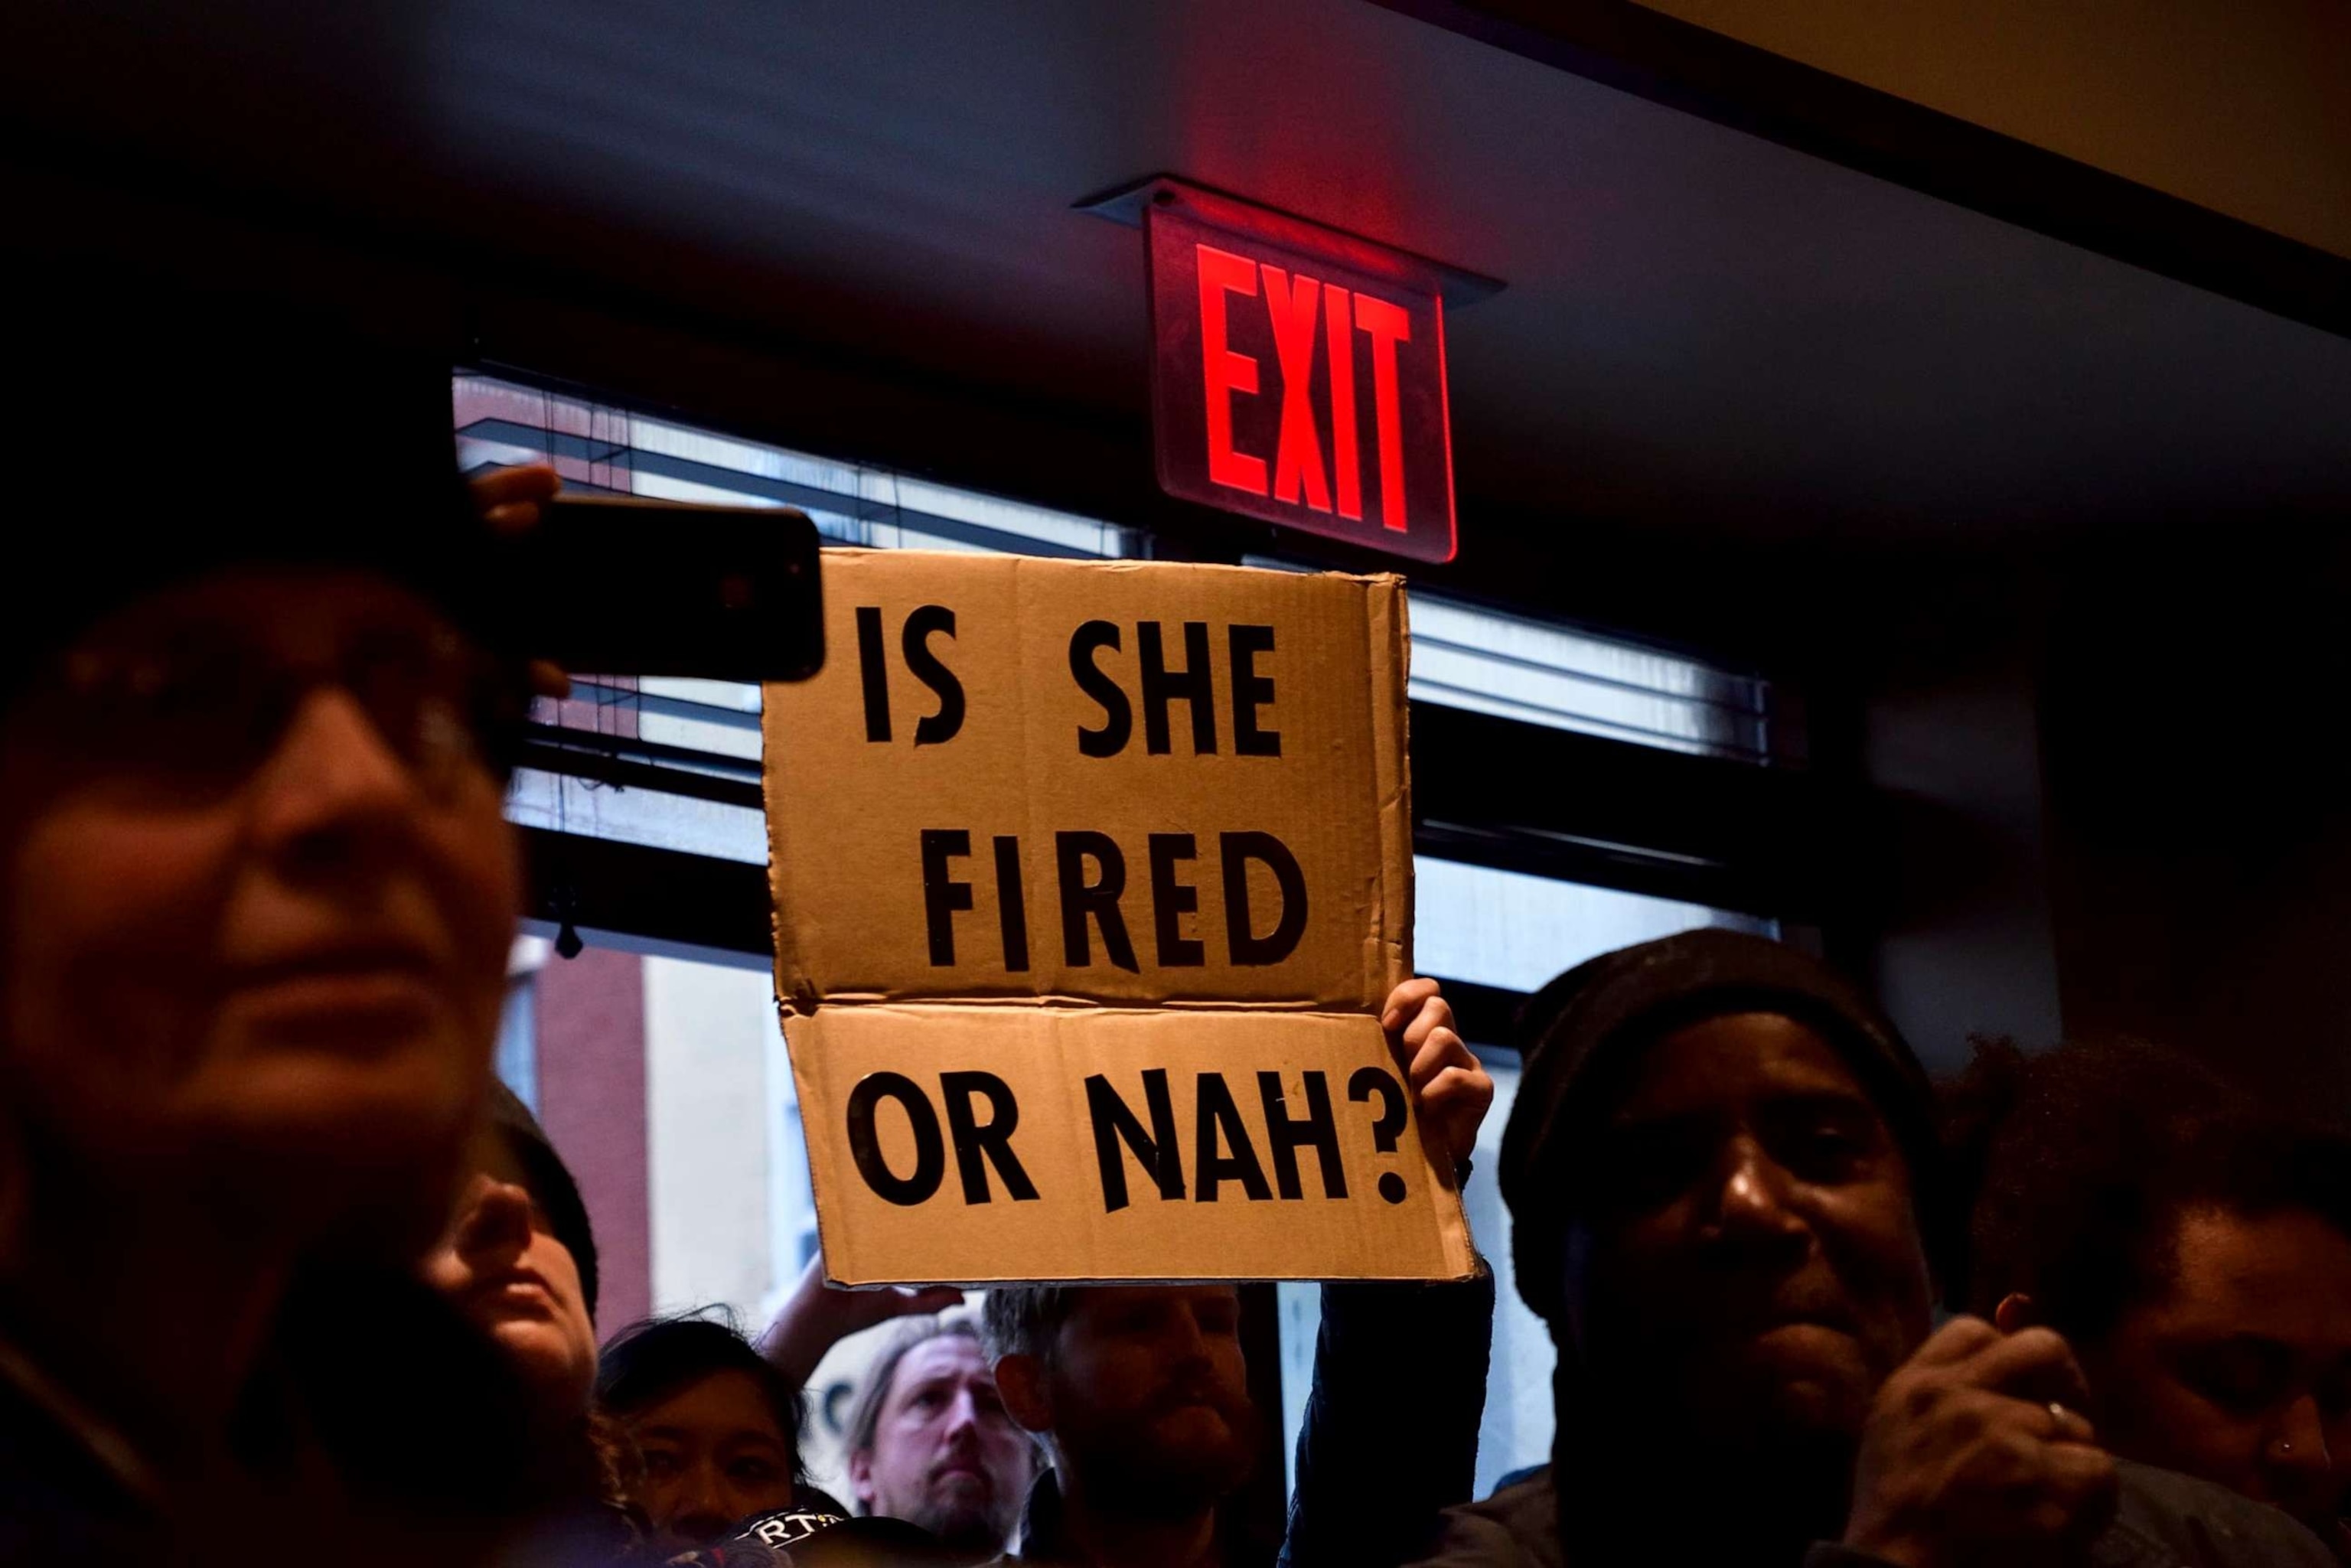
(259, 896)
(502, 1265)
(2239, 1370)
(714, 1457)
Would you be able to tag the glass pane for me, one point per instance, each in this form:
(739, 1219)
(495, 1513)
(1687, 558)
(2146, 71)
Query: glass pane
(602, 448)
(1516, 1430)
(1491, 662)
(1517, 668)
(1509, 929)
(564, 804)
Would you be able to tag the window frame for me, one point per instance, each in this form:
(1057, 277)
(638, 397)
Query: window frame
(1756, 837)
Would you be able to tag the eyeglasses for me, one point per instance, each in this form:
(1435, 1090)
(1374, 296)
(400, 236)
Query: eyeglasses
(190, 715)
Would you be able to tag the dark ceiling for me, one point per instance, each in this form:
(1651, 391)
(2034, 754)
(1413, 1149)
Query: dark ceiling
(1702, 332)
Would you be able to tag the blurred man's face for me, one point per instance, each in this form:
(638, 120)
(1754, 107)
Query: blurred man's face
(260, 892)
(2239, 1369)
(502, 1266)
(945, 1455)
(1150, 1395)
(1751, 1263)
(714, 1457)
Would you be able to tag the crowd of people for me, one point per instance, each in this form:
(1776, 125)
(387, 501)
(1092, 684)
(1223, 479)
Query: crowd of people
(286, 1274)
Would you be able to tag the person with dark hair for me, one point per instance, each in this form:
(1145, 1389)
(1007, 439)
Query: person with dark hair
(1729, 1205)
(2195, 1253)
(258, 893)
(930, 1441)
(716, 1426)
(1140, 1392)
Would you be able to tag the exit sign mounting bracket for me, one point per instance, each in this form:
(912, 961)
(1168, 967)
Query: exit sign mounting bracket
(1126, 204)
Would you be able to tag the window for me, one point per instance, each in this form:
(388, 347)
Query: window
(707, 1201)
(1513, 931)
(1491, 662)
(707, 731)
(1516, 668)
(607, 449)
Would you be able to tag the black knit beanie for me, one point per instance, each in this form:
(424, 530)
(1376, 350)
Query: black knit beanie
(549, 1182)
(168, 435)
(1589, 1019)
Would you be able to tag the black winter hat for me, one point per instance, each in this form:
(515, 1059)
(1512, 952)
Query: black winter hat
(1588, 1018)
(170, 433)
(549, 1181)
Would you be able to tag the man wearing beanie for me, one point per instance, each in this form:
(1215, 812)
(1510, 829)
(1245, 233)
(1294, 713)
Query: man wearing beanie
(1727, 1204)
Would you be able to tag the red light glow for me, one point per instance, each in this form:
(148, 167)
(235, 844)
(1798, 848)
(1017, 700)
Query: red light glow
(1290, 447)
(1224, 373)
(1297, 459)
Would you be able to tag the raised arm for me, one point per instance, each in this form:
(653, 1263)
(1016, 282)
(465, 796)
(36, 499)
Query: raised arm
(1390, 1438)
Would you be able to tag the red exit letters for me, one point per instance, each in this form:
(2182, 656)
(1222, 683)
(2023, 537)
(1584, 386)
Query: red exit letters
(1300, 389)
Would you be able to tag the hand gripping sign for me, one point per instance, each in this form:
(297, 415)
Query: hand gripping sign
(1090, 879)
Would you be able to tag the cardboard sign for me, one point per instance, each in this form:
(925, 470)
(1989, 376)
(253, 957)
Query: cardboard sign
(1293, 386)
(981, 1144)
(1090, 881)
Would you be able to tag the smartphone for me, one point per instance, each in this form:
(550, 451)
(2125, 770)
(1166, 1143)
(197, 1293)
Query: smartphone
(616, 585)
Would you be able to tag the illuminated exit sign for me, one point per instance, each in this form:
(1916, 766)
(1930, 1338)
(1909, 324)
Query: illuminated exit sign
(1299, 372)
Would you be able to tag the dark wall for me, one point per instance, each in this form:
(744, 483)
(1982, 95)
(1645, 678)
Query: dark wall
(1962, 939)
(2199, 802)
(2111, 792)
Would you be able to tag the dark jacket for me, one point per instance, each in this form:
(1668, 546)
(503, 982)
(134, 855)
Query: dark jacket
(2163, 1521)
(71, 1490)
(1390, 1438)
(377, 1417)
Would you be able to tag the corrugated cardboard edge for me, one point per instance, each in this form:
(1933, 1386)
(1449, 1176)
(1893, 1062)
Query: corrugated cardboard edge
(779, 856)
(1389, 662)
